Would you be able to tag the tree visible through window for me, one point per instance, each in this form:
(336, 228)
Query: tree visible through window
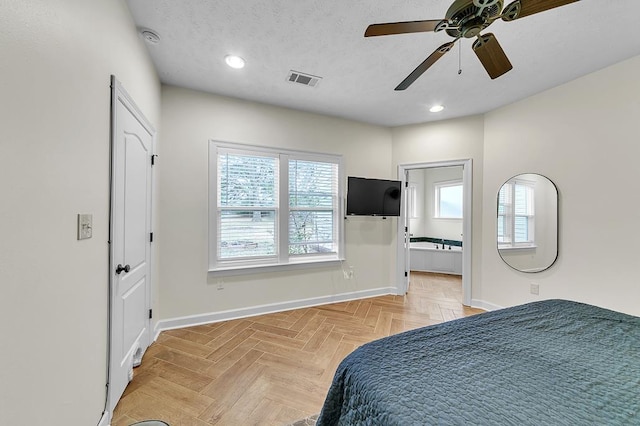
(312, 201)
(255, 223)
(248, 205)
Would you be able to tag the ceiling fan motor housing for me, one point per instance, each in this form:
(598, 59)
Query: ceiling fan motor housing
(470, 17)
(467, 19)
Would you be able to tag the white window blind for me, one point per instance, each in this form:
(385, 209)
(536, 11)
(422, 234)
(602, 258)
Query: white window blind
(247, 206)
(313, 202)
(273, 207)
(516, 215)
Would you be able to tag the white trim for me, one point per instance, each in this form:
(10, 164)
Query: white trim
(487, 306)
(243, 147)
(156, 331)
(282, 258)
(402, 253)
(437, 186)
(193, 320)
(105, 420)
(261, 269)
(511, 248)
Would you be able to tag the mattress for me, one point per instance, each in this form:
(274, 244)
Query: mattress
(553, 362)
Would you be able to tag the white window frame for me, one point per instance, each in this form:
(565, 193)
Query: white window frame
(436, 191)
(412, 200)
(509, 214)
(282, 260)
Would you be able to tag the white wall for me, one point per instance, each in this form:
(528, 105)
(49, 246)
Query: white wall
(450, 229)
(447, 140)
(189, 120)
(57, 57)
(581, 135)
(584, 137)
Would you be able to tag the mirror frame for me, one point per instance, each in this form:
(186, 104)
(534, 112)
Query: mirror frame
(557, 220)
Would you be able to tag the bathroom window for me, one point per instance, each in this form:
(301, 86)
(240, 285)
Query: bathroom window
(516, 215)
(448, 200)
(273, 207)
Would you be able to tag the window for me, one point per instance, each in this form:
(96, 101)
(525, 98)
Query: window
(448, 200)
(273, 207)
(247, 205)
(516, 218)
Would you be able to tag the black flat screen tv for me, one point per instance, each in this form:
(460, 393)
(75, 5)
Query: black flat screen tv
(373, 197)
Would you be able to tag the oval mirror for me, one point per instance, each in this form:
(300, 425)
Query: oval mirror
(528, 222)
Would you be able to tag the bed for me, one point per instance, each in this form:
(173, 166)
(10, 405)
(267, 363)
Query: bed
(553, 362)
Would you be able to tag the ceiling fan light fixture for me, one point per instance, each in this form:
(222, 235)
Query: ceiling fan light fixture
(436, 108)
(234, 61)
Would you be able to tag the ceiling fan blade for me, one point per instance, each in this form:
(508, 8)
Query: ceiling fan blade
(437, 54)
(490, 53)
(521, 8)
(401, 28)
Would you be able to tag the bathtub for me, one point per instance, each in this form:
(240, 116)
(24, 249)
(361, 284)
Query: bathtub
(431, 257)
(423, 245)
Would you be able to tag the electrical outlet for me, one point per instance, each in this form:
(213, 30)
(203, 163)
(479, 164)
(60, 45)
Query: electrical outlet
(534, 288)
(351, 273)
(85, 226)
(348, 274)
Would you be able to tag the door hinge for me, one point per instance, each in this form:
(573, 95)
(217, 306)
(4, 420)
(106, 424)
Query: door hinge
(153, 159)
(150, 313)
(151, 237)
(406, 184)
(406, 229)
(406, 274)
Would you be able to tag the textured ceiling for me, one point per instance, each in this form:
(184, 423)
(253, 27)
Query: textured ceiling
(325, 38)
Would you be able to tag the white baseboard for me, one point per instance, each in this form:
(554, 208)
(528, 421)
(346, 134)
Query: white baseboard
(212, 317)
(156, 331)
(105, 419)
(487, 306)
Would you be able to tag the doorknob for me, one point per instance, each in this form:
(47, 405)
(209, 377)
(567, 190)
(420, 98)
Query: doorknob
(120, 268)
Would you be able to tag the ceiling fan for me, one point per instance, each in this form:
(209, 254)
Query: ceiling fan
(467, 18)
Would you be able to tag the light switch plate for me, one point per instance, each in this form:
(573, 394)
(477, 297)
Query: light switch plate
(85, 226)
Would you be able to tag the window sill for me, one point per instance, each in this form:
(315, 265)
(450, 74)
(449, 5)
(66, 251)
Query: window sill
(511, 248)
(235, 270)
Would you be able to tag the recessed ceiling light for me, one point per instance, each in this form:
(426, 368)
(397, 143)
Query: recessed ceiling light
(234, 61)
(436, 108)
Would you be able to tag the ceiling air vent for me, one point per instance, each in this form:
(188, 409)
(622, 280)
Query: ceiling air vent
(305, 79)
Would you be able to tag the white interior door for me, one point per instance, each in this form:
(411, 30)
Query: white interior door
(132, 148)
(405, 215)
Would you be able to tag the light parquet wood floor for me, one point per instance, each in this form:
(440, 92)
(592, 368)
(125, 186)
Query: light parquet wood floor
(273, 369)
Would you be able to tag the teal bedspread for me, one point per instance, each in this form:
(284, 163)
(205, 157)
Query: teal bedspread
(553, 362)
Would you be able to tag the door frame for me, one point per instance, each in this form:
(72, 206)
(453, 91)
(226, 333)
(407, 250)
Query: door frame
(402, 257)
(119, 94)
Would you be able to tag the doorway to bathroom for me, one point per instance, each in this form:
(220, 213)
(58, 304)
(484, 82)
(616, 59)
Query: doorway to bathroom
(434, 230)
